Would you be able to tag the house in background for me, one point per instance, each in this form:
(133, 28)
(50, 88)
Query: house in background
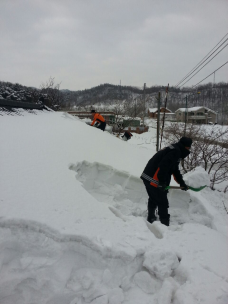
(198, 115)
(168, 116)
(153, 112)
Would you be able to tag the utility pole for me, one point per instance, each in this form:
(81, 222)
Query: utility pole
(163, 120)
(186, 114)
(222, 104)
(158, 121)
(144, 97)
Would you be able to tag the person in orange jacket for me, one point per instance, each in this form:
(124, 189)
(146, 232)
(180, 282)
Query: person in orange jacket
(98, 120)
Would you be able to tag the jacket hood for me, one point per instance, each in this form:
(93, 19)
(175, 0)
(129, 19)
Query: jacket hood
(184, 152)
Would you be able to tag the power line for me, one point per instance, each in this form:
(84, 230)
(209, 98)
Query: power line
(210, 74)
(203, 66)
(202, 60)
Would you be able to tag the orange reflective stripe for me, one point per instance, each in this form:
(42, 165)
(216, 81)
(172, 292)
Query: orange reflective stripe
(155, 177)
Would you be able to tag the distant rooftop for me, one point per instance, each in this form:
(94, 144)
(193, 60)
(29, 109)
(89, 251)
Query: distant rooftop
(154, 110)
(195, 109)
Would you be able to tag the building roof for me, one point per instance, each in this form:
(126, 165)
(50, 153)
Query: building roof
(195, 109)
(154, 110)
(121, 118)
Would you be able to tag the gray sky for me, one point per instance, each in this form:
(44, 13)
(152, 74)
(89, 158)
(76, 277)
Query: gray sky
(84, 43)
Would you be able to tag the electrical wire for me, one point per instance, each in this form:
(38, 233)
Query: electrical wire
(201, 60)
(210, 74)
(200, 63)
(203, 66)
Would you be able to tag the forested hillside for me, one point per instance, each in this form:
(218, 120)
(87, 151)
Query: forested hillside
(214, 97)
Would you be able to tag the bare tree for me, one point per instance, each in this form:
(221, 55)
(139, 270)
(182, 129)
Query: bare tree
(126, 112)
(209, 149)
(51, 95)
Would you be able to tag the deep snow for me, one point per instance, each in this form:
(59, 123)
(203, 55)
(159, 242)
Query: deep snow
(72, 221)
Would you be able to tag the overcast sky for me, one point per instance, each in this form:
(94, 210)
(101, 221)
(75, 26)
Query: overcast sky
(84, 43)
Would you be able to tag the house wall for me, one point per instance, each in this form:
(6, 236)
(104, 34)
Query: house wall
(151, 115)
(198, 116)
(168, 117)
(213, 117)
(180, 116)
(154, 115)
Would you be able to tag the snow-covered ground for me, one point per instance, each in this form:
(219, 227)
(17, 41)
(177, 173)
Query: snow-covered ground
(72, 221)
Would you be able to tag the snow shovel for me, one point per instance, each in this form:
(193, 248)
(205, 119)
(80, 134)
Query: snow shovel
(191, 188)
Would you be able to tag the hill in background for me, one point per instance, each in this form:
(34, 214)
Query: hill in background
(214, 97)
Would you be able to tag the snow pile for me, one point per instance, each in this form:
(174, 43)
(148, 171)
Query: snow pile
(197, 177)
(146, 282)
(160, 262)
(72, 221)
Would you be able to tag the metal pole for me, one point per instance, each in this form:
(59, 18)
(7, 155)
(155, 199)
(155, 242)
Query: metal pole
(163, 120)
(158, 121)
(186, 114)
(221, 93)
(144, 102)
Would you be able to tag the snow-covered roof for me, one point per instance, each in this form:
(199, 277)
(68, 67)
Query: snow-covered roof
(195, 109)
(124, 117)
(154, 110)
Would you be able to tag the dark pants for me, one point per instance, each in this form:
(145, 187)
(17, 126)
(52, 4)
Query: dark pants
(102, 126)
(157, 199)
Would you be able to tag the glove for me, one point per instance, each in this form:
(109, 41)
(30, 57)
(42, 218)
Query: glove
(184, 187)
(162, 186)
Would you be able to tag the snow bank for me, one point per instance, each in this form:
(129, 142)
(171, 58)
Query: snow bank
(161, 262)
(80, 235)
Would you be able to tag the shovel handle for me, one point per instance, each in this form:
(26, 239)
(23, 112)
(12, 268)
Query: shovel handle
(191, 188)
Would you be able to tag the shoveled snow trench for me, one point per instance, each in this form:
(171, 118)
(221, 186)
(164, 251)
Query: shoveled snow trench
(46, 267)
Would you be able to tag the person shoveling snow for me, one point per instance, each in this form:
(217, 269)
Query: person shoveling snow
(127, 136)
(98, 120)
(157, 176)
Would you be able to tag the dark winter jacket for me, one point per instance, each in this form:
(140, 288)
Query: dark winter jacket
(127, 134)
(164, 164)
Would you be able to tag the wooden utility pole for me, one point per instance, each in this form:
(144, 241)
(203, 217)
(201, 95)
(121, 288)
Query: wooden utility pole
(158, 121)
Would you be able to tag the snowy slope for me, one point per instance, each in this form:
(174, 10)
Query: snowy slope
(72, 218)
